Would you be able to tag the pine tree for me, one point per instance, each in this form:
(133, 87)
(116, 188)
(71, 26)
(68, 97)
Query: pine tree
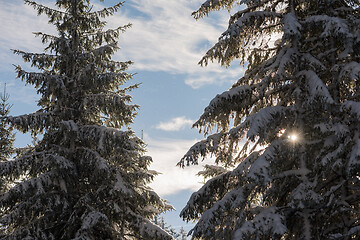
(86, 178)
(182, 234)
(160, 221)
(288, 131)
(7, 137)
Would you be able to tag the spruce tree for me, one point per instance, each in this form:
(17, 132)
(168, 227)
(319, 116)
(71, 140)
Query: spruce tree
(182, 234)
(87, 177)
(288, 131)
(7, 137)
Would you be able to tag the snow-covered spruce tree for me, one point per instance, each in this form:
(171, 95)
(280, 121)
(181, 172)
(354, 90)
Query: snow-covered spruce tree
(288, 131)
(160, 221)
(86, 178)
(7, 137)
(182, 234)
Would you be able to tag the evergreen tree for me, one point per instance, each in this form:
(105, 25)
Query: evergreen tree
(288, 131)
(87, 177)
(182, 234)
(160, 221)
(7, 137)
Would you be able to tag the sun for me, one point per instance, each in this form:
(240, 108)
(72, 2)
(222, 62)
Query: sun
(293, 137)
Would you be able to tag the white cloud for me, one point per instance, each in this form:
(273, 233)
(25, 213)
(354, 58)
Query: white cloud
(175, 124)
(166, 153)
(18, 22)
(213, 75)
(164, 37)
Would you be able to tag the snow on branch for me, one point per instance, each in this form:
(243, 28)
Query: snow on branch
(304, 196)
(282, 61)
(255, 167)
(40, 60)
(112, 104)
(269, 222)
(240, 39)
(32, 206)
(316, 87)
(54, 15)
(255, 125)
(119, 77)
(243, 168)
(313, 63)
(101, 135)
(34, 163)
(247, 21)
(30, 187)
(106, 12)
(54, 43)
(259, 123)
(107, 140)
(218, 214)
(353, 107)
(91, 219)
(354, 160)
(110, 35)
(259, 169)
(339, 129)
(95, 165)
(291, 27)
(234, 99)
(46, 83)
(155, 201)
(332, 156)
(111, 70)
(353, 230)
(37, 121)
(211, 5)
(147, 228)
(211, 171)
(46, 37)
(331, 25)
(352, 71)
(70, 125)
(202, 148)
(213, 190)
(120, 185)
(102, 52)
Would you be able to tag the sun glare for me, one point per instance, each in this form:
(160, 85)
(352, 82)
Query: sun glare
(293, 137)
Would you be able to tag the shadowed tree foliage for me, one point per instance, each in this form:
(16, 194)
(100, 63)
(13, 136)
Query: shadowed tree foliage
(288, 132)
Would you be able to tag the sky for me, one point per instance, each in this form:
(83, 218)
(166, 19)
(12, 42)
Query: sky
(165, 43)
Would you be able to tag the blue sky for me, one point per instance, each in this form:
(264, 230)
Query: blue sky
(165, 43)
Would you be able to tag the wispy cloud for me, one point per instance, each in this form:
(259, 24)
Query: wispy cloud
(166, 153)
(165, 37)
(175, 124)
(18, 22)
